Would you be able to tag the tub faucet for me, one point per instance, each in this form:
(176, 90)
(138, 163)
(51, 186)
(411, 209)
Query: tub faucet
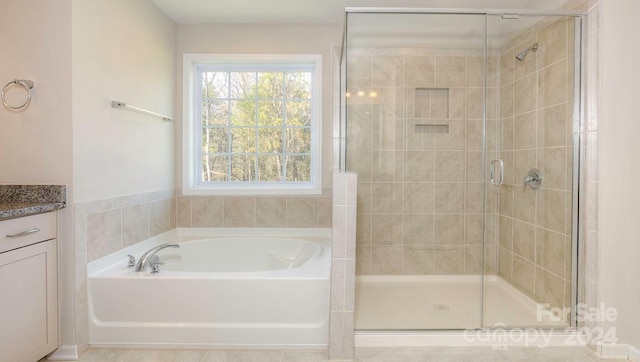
(147, 257)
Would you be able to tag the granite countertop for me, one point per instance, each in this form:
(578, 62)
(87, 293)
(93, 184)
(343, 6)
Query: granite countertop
(10, 210)
(24, 200)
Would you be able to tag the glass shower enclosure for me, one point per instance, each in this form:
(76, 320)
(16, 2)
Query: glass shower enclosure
(463, 130)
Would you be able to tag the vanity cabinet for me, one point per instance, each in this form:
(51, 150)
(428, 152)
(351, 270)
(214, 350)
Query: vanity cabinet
(28, 288)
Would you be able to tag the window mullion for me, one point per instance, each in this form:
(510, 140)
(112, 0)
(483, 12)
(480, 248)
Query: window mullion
(198, 112)
(255, 125)
(229, 137)
(283, 171)
(205, 128)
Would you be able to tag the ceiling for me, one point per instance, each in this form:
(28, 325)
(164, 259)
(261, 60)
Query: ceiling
(314, 11)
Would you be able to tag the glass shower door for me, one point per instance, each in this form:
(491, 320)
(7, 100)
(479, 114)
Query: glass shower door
(530, 220)
(415, 135)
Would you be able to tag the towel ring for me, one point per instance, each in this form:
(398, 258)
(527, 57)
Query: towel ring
(26, 84)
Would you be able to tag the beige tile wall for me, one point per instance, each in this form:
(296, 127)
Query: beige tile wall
(106, 226)
(110, 225)
(536, 132)
(250, 211)
(419, 195)
(343, 267)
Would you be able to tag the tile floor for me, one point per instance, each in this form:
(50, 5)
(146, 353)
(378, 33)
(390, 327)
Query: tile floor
(414, 354)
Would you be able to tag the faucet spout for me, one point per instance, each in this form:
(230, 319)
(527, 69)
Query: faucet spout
(149, 254)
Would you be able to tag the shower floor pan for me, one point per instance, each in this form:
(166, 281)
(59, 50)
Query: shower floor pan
(443, 302)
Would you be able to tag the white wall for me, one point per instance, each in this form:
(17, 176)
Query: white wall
(263, 39)
(619, 148)
(122, 50)
(35, 144)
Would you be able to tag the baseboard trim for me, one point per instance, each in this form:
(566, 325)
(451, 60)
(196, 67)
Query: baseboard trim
(470, 338)
(66, 352)
(634, 353)
(613, 350)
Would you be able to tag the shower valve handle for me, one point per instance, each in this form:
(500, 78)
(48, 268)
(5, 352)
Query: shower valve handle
(533, 179)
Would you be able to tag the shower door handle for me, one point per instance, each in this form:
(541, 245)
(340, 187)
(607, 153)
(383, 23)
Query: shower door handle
(500, 164)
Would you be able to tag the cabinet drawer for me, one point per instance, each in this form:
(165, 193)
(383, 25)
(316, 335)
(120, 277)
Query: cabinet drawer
(24, 230)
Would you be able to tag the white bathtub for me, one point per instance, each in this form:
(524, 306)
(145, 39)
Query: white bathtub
(222, 288)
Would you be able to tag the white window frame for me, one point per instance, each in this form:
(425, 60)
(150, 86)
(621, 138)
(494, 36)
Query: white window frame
(191, 126)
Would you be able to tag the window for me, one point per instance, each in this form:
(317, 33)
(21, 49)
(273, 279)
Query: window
(252, 124)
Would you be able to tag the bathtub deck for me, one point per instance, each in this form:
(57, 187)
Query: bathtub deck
(441, 302)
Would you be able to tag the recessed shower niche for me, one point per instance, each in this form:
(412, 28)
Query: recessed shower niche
(431, 103)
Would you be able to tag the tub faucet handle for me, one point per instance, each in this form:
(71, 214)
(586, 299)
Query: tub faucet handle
(155, 266)
(132, 261)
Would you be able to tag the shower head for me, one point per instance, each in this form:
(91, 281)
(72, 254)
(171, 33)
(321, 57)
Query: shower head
(523, 54)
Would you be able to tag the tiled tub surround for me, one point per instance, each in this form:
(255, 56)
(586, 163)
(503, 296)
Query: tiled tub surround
(420, 195)
(109, 225)
(113, 224)
(536, 132)
(258, 211)
(105, 226)
(24, 200)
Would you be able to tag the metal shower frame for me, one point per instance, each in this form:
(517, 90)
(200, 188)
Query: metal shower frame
(577, 121)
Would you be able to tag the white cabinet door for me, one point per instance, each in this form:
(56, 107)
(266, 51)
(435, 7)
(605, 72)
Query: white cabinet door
(28, 302)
